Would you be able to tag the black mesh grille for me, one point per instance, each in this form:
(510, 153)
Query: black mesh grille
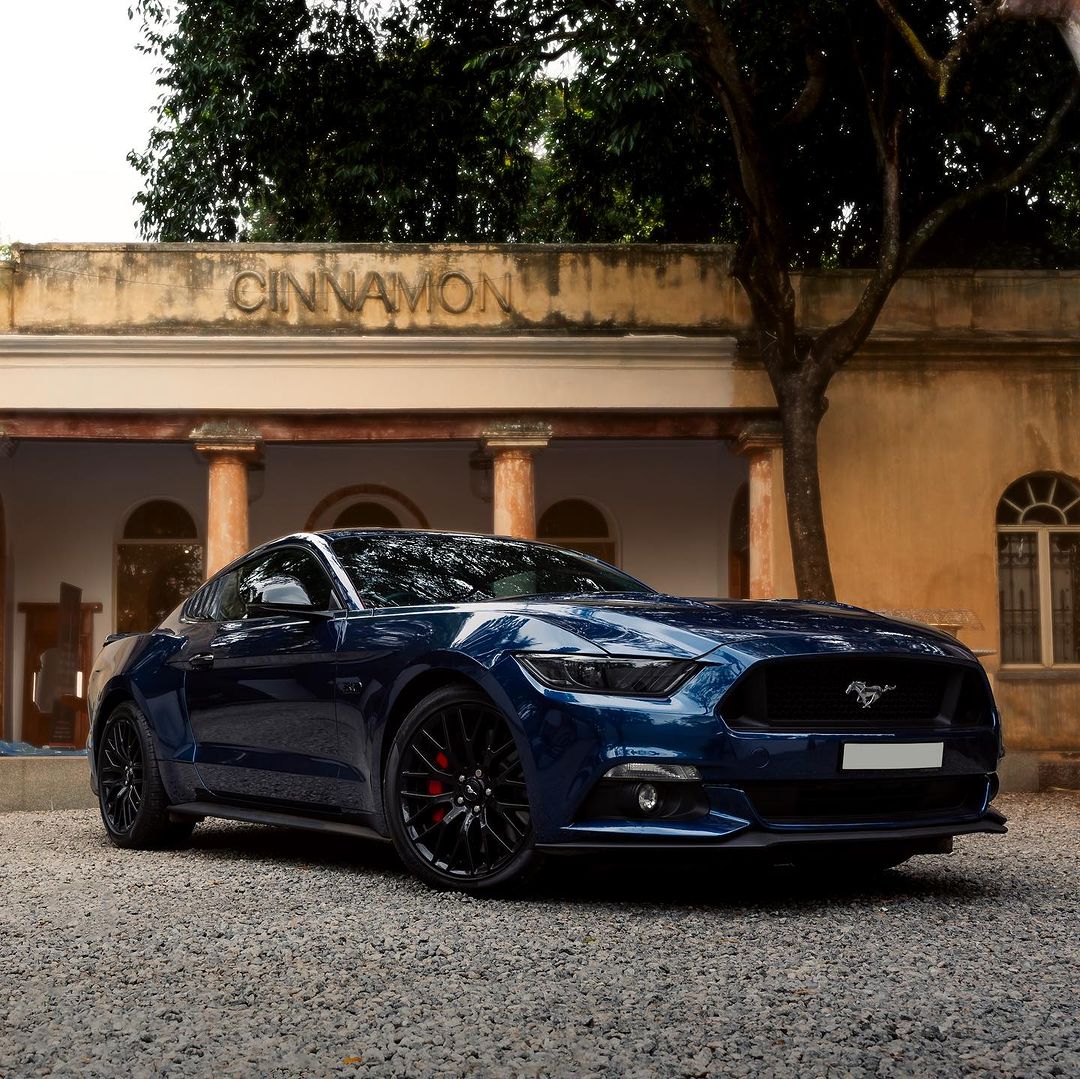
(871, 800)
(831, 693)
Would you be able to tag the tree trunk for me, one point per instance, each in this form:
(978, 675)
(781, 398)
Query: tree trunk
(801, 412)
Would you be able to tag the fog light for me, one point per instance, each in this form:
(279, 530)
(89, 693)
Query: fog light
(648, 798)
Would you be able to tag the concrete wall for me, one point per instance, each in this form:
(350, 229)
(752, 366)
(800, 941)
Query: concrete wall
(915, 457)
(176, 288)
(66, 504)
(970, 380)
(182, 288)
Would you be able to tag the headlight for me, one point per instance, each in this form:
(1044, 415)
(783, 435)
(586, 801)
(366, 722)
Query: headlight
(608, 674)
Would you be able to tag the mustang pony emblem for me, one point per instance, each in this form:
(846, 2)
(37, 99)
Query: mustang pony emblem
(867, 694)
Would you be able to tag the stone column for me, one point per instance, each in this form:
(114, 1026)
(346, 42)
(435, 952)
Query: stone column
(512, 446)
(760, 443)
(229, 450)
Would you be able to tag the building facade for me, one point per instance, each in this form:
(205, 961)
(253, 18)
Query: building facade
(164, 407)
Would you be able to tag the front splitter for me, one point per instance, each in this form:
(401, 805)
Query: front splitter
(758, 839)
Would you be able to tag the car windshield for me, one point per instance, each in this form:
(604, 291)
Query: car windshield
(401, 569)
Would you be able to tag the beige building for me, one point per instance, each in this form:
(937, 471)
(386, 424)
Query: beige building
(166, 406)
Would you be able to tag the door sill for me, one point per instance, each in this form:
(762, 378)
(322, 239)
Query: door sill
(250, 815)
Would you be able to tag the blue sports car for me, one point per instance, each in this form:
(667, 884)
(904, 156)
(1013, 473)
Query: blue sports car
(484, 702)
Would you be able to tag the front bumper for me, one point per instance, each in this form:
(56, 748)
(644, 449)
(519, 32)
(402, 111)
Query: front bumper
(734, 821)
(575, 739)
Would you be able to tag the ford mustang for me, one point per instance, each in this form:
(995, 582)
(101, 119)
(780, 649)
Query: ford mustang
(484, 702)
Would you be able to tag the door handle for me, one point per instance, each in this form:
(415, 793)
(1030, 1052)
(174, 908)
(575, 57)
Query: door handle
(201, 660)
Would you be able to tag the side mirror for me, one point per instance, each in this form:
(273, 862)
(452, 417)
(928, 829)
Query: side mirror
(283, 597)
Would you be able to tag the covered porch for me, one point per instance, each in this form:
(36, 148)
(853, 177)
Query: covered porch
(134, 510)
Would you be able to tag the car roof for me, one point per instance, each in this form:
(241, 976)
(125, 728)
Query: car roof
(323, 536)
(334, 533)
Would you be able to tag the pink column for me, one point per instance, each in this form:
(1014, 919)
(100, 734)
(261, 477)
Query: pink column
(227, 501)
(512, 448)
(760, 443)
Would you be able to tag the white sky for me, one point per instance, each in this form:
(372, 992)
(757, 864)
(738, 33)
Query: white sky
(77, 98)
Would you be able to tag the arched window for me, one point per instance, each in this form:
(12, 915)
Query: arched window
(580, 526)
(366, 505)
(739, 545)
(1038, 522)
(159, 561)
(367, 515)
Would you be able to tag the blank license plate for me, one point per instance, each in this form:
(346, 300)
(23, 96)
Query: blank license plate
(878, 756)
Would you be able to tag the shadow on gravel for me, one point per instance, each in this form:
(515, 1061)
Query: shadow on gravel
(650, 880)
(731, 881)
(260, 842)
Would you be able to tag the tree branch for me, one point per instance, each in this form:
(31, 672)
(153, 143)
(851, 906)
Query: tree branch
(903, 28)
(941, 71)
(762, 265)
(1016, 174)
(872, 111)
(1065, 13)
(816, 74)
(836, 345)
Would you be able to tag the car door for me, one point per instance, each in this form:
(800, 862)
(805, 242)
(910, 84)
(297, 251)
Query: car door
(259, 684)
(377, 645)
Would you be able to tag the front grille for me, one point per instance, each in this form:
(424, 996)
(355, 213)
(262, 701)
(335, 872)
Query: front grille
(820, 693)
(873, 801)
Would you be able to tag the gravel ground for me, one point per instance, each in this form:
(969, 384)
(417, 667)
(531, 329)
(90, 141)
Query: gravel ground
(260, 952)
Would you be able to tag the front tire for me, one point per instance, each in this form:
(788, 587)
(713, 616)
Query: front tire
(455, 797)
(134, 805)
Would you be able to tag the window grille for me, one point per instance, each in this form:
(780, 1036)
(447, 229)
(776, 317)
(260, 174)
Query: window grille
(1038, 520)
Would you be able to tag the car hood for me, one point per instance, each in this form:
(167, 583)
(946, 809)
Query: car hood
(692, 629)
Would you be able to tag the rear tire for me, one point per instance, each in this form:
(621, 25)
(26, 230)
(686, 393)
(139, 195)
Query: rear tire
(132, 799)
(455, 798)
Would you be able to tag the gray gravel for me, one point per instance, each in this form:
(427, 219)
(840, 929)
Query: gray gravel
(261, 953)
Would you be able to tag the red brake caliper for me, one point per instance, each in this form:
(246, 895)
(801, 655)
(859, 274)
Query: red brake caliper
(435, 786)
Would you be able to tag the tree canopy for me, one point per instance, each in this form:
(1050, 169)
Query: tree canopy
(328, 121)
(438, 121)
(873, 134)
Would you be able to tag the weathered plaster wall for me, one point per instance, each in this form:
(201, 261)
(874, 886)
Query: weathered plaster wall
(7, 296)
(970, 381)
(181, 288)
(162, 288)
(915, 456)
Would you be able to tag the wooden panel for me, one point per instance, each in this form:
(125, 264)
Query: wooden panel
(42, 626)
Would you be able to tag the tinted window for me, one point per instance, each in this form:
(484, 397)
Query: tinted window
(396, 569)
(227, 602)
(201, 604)
(288, 565)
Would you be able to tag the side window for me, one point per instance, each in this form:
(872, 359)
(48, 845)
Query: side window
(227, 602)
(201, 604)
(291, 568)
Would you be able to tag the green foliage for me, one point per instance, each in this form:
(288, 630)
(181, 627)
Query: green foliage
(642, 149)
(443, 120)
(328, 121)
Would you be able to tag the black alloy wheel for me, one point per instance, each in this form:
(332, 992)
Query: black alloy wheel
(134, 804)
(455, 794)
(121, 774)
